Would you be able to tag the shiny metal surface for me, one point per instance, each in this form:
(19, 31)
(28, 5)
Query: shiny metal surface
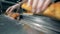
(37, 23)
(9, 26)
(43, 24)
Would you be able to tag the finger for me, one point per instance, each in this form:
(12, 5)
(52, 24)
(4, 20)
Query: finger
(47, 2)
(34, 4)
(8, 9)
(29, 3)
(14, 7)
(39, 6)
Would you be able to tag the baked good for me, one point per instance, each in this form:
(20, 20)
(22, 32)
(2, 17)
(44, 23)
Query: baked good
(28, 8)
(13, 15)
(53, 11)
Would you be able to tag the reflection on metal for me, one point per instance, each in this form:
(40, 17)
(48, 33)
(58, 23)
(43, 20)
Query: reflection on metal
(9, 26)
(41, 23)
(37, 25)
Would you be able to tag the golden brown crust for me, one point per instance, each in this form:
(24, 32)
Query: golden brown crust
(13, 15)
(24, 6)
(53, 11)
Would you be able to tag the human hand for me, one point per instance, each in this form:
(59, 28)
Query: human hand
(11, 8)
(38, 6)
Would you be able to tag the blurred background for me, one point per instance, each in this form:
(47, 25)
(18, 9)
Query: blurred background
(8, 26)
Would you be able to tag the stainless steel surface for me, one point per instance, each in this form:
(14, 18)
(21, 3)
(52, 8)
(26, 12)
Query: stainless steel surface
(9, 26)
(43, 24)
(37, 24)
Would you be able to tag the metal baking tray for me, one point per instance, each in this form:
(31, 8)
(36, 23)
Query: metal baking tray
(41, 23)
(9, 26)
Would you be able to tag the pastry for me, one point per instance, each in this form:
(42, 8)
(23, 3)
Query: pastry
(53, 11)
(28, 8)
